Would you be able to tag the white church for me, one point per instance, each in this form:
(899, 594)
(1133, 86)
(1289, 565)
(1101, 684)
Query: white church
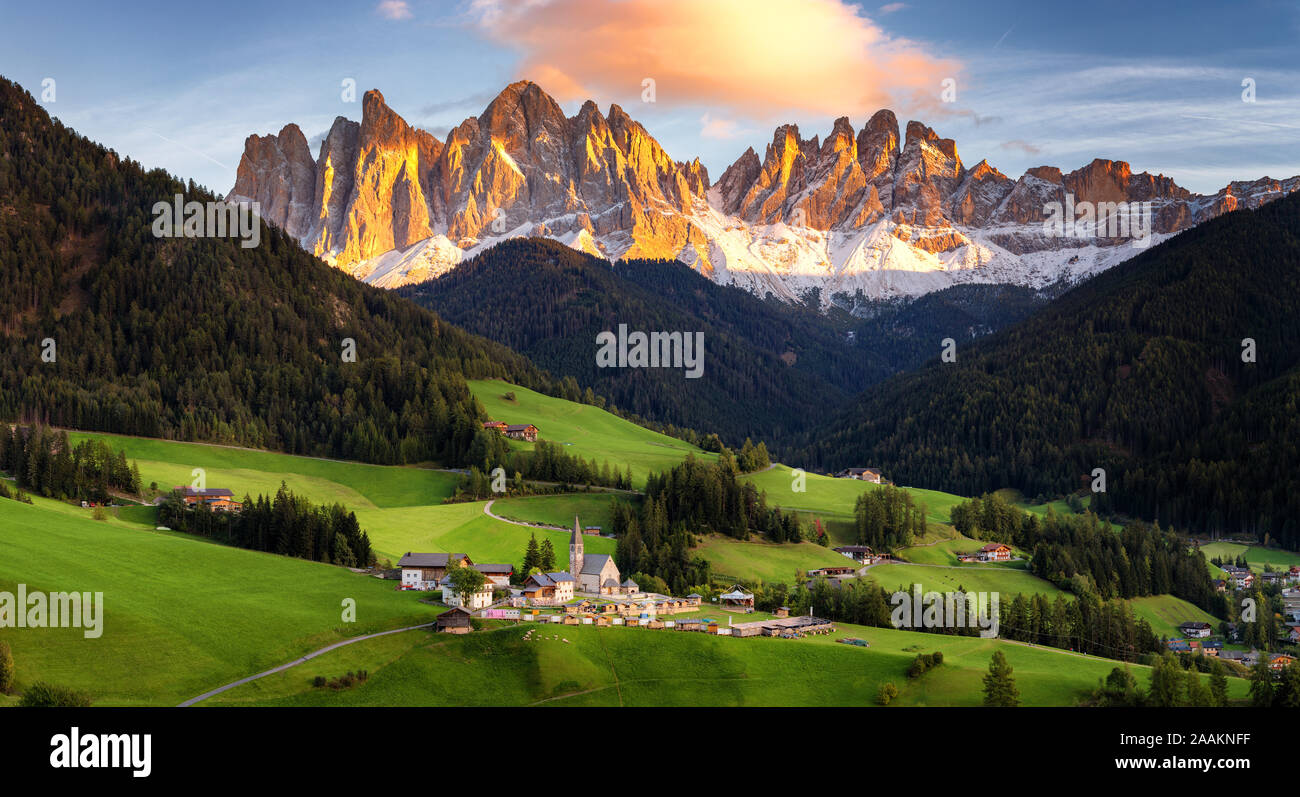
(596, 573)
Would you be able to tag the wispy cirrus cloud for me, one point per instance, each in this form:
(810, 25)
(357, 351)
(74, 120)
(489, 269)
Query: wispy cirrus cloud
(890, 8)
(754, 58)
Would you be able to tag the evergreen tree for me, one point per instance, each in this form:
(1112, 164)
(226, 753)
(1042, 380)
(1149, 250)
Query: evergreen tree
(999, 685)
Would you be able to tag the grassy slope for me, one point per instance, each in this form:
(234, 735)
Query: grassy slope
(1005, 580)
(836, 497)
(592, 509)
(181, 615)
(248, 471)
(639, 667)
(1165, 613)
(585, 431)
(1256, 555)
(765, 560)
(462, 528)
(945, 552)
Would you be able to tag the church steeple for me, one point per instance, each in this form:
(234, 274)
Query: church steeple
(575, 549)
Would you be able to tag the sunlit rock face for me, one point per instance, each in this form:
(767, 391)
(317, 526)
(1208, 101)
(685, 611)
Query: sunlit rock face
(864, 211)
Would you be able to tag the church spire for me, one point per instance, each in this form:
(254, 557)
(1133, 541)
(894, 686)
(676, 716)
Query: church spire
(575, 549)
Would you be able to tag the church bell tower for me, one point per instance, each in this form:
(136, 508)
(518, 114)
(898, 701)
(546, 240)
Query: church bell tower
(575, 549)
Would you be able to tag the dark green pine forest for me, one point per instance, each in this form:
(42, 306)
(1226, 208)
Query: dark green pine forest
(1142, 371)
(771, 369)
(201, 339)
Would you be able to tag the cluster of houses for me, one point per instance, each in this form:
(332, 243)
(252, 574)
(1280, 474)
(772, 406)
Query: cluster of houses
(460, 621)
(515, 431)
(431, 571)
(1245, 578)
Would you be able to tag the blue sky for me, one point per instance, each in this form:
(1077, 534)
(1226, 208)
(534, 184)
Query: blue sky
(1157, 84)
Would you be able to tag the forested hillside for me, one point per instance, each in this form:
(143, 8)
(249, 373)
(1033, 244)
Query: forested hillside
(107, 327)
(1140, 371)
(770, 369)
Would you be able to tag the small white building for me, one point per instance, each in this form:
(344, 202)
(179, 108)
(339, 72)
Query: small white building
(478, 600)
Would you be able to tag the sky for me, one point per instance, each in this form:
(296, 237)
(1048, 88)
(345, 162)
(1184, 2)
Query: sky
(1166, 86)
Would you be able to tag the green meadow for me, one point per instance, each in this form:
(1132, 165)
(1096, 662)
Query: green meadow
(769, 561)
(619, 666)
(251, 472)
(462, 528)
(946, 551)
(591, 509)
(1256, 555)
(836, 497)
(1004, 580)
(1165, 613)
(181, 615)
(585, 431)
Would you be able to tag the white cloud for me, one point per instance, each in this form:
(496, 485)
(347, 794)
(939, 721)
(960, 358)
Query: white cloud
(759, 59)
(394, 9)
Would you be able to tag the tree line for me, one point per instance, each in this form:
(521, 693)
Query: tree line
(285, 524)
(43, 461)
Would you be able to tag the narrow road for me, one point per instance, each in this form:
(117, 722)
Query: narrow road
(487, 510)
(296, 662)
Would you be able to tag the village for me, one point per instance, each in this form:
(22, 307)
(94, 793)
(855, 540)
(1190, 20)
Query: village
(589, 592)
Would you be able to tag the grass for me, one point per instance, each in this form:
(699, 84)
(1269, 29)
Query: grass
(181, 615)
(769, 561)
(945, 552)
(585, 431)
(592, 509)
(249, 471)
(1165, 613)
(640, 667)
(836, 497)
(462, 528)
(1004, 580)
(1256, 555)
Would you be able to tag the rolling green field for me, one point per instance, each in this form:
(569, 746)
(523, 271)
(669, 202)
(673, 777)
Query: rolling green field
(639, 667)
(836, 497)
(769, 561)
(585, 431)
(181, 615)
(1256, 555)
(592, 509)
(462, 528)
(1165, 613)
(945, 552)
(1004, 580)
(249, 471)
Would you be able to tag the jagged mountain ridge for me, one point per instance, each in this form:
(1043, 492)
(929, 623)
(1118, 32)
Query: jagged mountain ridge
(870, 212)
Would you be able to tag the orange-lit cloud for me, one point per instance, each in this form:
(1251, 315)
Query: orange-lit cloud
(755, 58)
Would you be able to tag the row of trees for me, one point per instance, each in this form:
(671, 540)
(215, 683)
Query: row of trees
(45, 462)
(285, 524)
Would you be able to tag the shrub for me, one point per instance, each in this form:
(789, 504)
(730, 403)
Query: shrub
(923, 663)
(48, 695)
(6, 668)
(887, 693)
